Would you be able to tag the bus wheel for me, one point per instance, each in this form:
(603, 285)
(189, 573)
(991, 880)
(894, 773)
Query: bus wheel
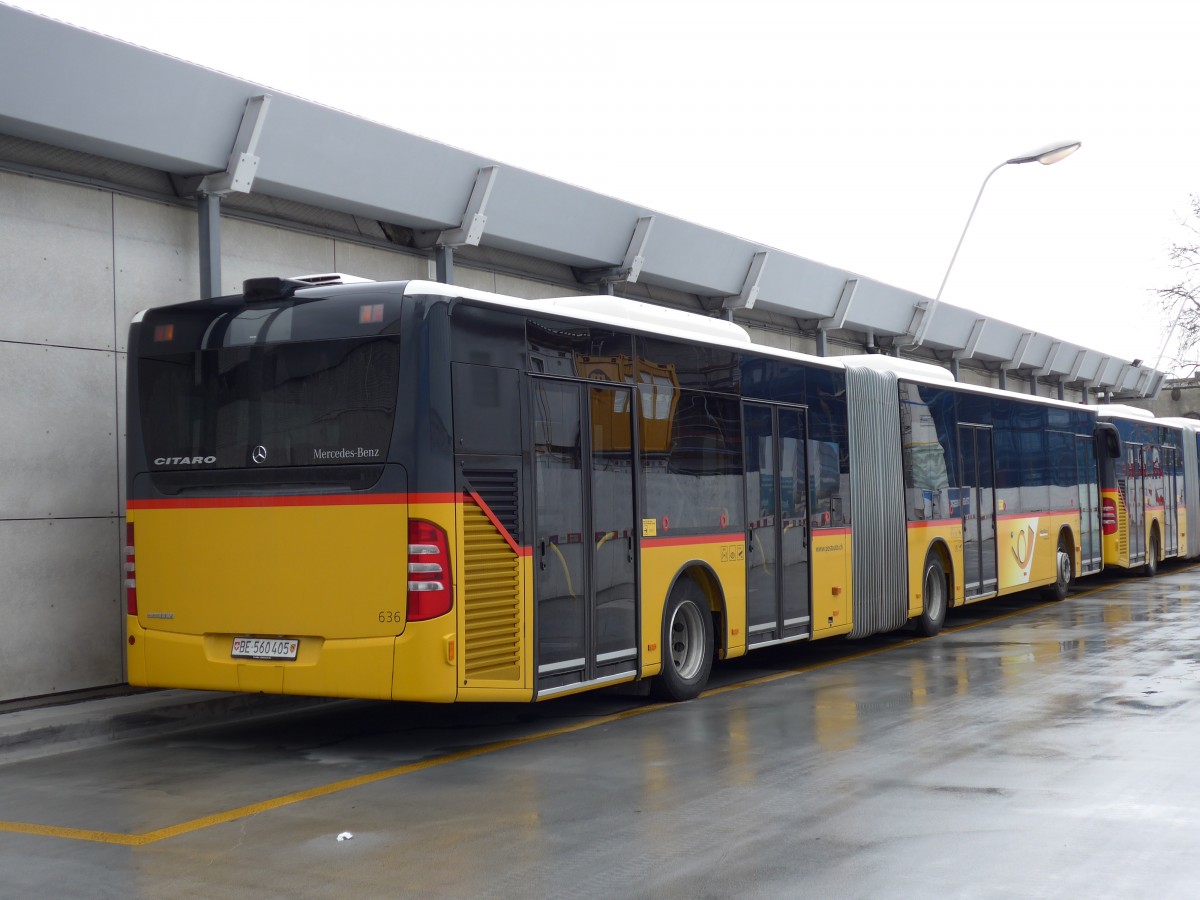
(934, 597)
(1063, 574)
(687, 643)
(1151, 567)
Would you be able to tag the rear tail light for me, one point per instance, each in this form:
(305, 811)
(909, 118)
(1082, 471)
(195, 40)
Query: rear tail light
(430, 589)
(130, 575)
(1108, 515)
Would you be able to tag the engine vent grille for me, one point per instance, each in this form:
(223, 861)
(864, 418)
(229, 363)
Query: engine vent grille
(498, 489)
(491, 601)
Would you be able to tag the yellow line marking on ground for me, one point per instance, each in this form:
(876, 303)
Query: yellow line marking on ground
(72, 834)
(158, 834)
(252, 809)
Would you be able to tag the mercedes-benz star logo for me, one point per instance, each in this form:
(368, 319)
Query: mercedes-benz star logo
(259, 454)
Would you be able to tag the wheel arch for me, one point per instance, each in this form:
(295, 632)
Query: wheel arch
(1068, 538)
(1154, 548)
(941, 549)
(703, 574)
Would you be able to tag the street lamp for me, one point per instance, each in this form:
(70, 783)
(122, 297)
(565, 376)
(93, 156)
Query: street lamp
(1047, 157)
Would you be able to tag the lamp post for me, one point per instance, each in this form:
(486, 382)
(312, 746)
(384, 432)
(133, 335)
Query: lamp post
(1047, 157)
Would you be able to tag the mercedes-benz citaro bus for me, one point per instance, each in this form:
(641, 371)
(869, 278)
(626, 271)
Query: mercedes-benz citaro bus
(414, 491)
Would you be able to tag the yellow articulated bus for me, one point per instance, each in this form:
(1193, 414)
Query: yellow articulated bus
(413, 491)
(1145, 507)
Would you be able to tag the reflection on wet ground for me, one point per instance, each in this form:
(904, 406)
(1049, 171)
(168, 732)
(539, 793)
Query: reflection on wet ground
(1032, 749)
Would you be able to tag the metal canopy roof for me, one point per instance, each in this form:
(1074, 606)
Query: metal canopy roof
(82, 91)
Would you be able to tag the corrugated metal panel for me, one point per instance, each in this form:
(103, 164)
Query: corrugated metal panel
(491, 600)
(1191, 493)
(877, 491)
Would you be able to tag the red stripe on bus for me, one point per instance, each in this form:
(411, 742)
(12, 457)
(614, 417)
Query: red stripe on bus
(689, 540)
(414, 499)
(1008, 517)
(1005, 517)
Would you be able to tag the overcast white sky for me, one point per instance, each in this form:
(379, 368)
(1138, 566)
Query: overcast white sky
(852, 132)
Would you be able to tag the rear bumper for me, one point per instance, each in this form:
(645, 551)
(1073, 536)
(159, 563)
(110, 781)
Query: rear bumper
(416, 665)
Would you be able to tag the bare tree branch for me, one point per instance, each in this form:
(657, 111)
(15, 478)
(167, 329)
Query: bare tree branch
(1181, 301)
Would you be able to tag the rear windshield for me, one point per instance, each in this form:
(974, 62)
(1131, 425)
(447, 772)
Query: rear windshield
(268, 387)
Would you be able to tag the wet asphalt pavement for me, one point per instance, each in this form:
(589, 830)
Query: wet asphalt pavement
(1030, 750)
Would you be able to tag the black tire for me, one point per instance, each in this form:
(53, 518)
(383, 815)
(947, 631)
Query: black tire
(687, 644)
(934, 597)
(1064, 572)
(1150, 569)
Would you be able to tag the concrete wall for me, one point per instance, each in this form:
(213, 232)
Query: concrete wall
(1179, 398)
(60, 527)
(77, 263)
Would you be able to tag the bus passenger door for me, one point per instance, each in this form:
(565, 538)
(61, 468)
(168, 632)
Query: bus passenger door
(584, 571)
(1088, 485)
(977, 500)
(777, 552)
(1134, 490)
(1168, 482)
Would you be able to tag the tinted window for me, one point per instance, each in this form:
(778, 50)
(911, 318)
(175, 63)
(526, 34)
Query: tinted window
(311, 403)
(578, 351)
(692, 464)
(694, 365)
(926, 423)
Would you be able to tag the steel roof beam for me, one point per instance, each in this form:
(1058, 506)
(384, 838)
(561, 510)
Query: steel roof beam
(838, 319)
(208, 190)
(972, 347)
(1047, 367)
(630, 267)
(1098, 380)
(238, 176)
(750, 285)
(474, 219)
(469, 233)
(1018, 359)
(1073, 374)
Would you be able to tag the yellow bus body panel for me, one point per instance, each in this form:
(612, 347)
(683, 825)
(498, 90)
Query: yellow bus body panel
(1027, 547)
(663, 560)
(832, 561)
(326, 571)
(425, 665)
(1027, 552)
(332, 575)
(922, 537)
(1181, 529)
(332, 668)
